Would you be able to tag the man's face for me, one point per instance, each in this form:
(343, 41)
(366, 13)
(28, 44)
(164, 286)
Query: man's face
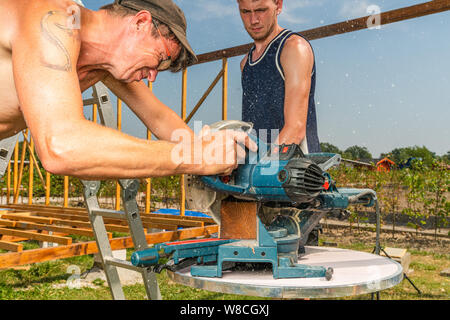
(259, 16)
(140, 53)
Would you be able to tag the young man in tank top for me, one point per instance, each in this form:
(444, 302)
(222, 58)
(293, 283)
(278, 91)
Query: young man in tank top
(278, 78)
(278, 82)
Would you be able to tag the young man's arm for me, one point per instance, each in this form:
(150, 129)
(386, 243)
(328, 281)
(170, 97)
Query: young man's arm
(297, 61)
(48, 88)
(243, 62)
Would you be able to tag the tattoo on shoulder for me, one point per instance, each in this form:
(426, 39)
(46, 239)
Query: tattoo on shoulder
(46, 30)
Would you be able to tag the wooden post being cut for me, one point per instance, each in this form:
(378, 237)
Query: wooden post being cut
(238, 220)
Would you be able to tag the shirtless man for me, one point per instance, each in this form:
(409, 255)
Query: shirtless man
(278, 78)
(53, 50)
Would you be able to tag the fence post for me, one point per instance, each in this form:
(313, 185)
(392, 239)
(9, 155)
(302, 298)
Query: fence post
(47, 188)
(66, 192)
(22, 160)
(148, 187)
(8, 183)
(16, 167)
(31, 172)
(183, 116)
(119, 127)
(225, 89)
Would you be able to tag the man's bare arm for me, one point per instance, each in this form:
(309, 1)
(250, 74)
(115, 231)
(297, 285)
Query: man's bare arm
(159, 118)
(297, 60)
(243, 62)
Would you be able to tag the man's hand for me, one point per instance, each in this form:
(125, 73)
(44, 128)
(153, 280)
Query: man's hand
(216, 152)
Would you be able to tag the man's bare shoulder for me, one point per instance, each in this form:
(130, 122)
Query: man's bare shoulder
(297, 44)
(51, 28)
(30, 12)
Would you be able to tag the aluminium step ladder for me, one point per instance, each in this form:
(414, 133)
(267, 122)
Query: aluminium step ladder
(130, 214)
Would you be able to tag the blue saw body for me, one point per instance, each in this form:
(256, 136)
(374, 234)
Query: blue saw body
(279, 177)
(284, 174)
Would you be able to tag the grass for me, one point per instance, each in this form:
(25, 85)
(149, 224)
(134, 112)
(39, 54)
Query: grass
(48, 280)
(426, 266)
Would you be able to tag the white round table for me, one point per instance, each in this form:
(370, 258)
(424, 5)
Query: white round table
(355, 273)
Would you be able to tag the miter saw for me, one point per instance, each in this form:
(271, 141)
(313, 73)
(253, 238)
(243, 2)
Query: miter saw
(288, 191)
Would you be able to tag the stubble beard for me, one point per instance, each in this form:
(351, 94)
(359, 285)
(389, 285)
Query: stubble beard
(265, 35)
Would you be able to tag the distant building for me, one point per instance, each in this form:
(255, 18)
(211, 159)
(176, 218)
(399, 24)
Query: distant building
(385, 164)
(365, 164)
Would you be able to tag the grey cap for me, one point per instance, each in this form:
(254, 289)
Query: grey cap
(168, 13)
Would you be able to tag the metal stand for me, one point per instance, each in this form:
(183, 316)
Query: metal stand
(378, 248)
(6, 150)
(130, 214)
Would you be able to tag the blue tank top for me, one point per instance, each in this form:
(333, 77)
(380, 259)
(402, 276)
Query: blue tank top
(263, 93)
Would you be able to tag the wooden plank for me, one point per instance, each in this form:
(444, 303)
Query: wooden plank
(12, 239)
(238, 220)
(79, 218)
(83, 212)
(62, 216)
(11, 246)
(53, 209)
(109, 227)
(162, 226)
(19, 213)
(13, 259)
(406, 13)
(160, 221)
(170, 216)
(177, 222)
(7, 223)
(28, 218)
(37, 226)
(36, 236)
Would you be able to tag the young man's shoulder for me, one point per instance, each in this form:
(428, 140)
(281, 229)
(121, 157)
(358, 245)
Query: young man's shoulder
(297, 42)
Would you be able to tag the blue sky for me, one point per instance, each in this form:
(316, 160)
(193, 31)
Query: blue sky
(382, 88)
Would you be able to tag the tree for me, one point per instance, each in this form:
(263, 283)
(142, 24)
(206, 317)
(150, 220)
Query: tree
(401, 155)
(446, 157)
(328, 147)
(357, 152)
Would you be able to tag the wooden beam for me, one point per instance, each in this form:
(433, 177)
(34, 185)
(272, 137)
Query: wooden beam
(81, 224)
(243, 214)
(170, 216)
(37, 226)
(38, 207)
(172, 221)
(406, 13)
(11, 246)
(28, 218)
(40, 223)
(83, 212)
(36, 236)
(205, 95)
(7, 223)
(12, 239)
(13, 259)
(162, 226)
